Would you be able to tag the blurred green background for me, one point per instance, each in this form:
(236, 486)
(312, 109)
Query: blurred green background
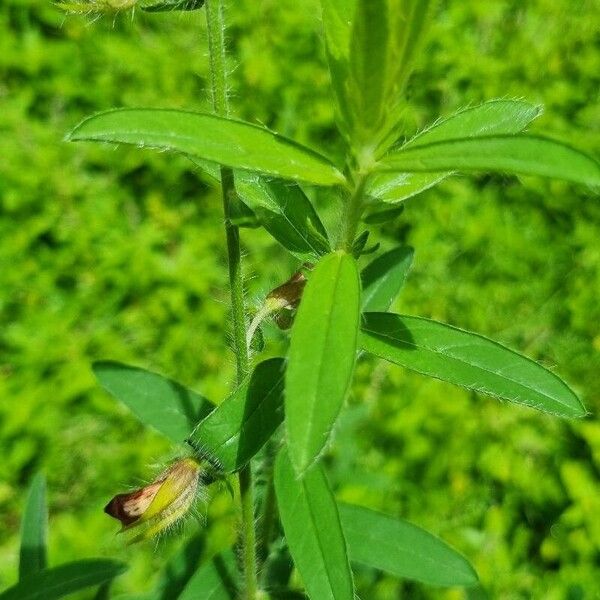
(118, 253)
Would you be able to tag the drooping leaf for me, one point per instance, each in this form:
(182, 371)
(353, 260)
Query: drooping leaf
(50, 584)
(402, 549)
(287, 214)
(378, 216)
(467, 359)
(214, 580)
(496, 117)
(34, 526)
(383, 278)
(232, 143)
(156, 401)
(521, 155)
(281, 207)
(321, 356)
(313, 532)
(239, 427)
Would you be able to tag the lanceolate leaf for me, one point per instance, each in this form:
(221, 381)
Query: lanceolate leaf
(50, 584)
(368, 67)
(407, 24)
(402, 549)
(497, 117)
(33, 530)
(156, 401)
(337, 24)
(468, 360)
(313, 532)
(225, 141)
(214, 580)
(321, 356)
(523, 155)
(239, 427)
(281, 207)
(286, 213)
(383, 278)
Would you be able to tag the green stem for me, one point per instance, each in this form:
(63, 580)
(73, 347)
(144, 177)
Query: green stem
(218, 70)
(351, 217)
(269, 509)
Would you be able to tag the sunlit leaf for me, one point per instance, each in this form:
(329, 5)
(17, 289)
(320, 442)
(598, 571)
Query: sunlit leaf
(239, 427)
(496, 117)
(312, 530)
(321, 356)
(50, 584)
(521, 155)
(337, 24)
(402, 549)
(467, 359)
(156, 401)
(32, 557)
(383, 278)
(232, 143)
(368, 68)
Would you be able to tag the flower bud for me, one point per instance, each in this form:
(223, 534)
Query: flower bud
(161, 503)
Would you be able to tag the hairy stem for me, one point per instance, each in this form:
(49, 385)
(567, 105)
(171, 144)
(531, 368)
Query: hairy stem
(218, 70)
(351, 216)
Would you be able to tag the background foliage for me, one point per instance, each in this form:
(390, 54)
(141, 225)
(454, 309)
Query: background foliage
(119, 255)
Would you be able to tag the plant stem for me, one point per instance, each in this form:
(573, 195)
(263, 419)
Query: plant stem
(218, 70)
(351, 217)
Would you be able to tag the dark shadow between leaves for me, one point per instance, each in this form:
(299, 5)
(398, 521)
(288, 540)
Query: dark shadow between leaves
(177, 573)
(226, 576)
(388, 328)
(263, 410)
(194, 406)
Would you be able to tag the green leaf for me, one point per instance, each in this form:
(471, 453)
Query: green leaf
(228, 142)
(408, 19)
(523, 155)
(214, 580)
(496, 117)
(287, 214)
(34, 529)
(368, 67)
(379, 216)
(170, 5)
(50, 584)
(156, 401)
(402, 549)
(239, 427)
(468, 360)
(337, 24)
(313, 532)
(321, 356)
(383, 278)
(180, 568)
